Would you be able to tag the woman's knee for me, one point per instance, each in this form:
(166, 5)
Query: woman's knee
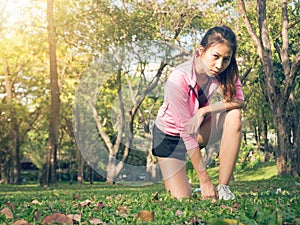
(233, 119)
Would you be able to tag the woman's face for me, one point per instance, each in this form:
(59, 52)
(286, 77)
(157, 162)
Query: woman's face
(216, 58)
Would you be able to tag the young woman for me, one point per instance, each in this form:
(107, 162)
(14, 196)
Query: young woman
(188, 120)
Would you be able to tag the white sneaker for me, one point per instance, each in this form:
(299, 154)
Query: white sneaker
(224, 192)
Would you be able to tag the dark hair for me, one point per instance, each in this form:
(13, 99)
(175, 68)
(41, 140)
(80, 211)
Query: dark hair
(227, 79)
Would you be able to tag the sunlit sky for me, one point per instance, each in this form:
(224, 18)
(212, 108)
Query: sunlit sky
(13, 10)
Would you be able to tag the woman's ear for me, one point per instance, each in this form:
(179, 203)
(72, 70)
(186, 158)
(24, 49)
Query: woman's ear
(200, 50)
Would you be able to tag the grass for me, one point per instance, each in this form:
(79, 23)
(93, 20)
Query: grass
(261, 171)
(261, 198)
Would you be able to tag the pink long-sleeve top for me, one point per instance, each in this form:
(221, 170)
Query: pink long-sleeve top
(180, 103)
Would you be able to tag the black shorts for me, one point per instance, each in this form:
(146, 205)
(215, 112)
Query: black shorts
(164, 145)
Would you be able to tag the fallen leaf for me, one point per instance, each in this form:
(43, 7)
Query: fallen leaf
(213, 200)
(76, 196)
(194, 221)
(95, 221)
(36, 215)
(57, 218)
(146, 215)
(10, 205)
(110, 199)
(178, 212)
(100, 205)
(76, 217)
(36, 202)
(7, 212)
(20, 222)
(85, 203)
(122, 209)
(232, 209)
(118, 197)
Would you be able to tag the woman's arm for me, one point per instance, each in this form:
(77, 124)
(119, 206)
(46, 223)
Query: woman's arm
(208, 189)
(195, 122)
(221, 106)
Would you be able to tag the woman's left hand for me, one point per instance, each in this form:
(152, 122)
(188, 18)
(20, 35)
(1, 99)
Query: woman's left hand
(195, 122)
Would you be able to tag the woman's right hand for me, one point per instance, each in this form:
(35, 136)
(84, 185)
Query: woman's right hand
(195, 122)
(208, 190)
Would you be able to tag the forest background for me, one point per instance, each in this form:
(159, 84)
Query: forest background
(81, 82)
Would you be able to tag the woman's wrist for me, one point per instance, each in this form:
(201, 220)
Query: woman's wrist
(204, 111)
(203, 177)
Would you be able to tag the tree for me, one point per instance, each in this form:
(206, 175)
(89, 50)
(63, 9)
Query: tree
(279, 96)
(18, 87)
(162, 27)
(51, 151)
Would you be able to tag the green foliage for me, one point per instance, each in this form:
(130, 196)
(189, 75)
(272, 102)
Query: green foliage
(261, 202)
(85, 29)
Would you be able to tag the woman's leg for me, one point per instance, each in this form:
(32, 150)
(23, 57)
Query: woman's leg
(226, 127)
(174, 175)
(230, 144)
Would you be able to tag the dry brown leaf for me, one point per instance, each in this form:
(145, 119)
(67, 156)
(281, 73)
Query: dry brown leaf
(95, 221)
(232, 209)
(76, 217)
(76, 196)
(213, 200)
(178, 212)
(57, 218)
(85, 203)
(7, 212)
(194, 221)
(100, 205)
(119, 197)
(36, 202)
(110, 199)
(36, 215)
(20, 222)
(10, 205)
(146, 215)
(122, 209)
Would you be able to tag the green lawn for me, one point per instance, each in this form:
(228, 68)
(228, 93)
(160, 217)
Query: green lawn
(261, 171)
(262, 198)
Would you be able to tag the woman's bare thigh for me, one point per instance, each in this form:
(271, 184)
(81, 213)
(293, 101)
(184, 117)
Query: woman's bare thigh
(211, 129)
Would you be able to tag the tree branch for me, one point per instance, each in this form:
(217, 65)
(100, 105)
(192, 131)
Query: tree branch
(285, 41)
(290, 80)
(254, 37)
(105, 137)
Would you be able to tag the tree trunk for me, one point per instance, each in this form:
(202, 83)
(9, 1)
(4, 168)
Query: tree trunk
(152, 170)
(265, 137)
(113, 169)
(297, 147)
(14, 130)
(278, 96)
(281, 156)
(3, 168)
(295, 124)
(16, 165)
(80, 162)
(257, 136)
(50, 173)
(91, 174)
